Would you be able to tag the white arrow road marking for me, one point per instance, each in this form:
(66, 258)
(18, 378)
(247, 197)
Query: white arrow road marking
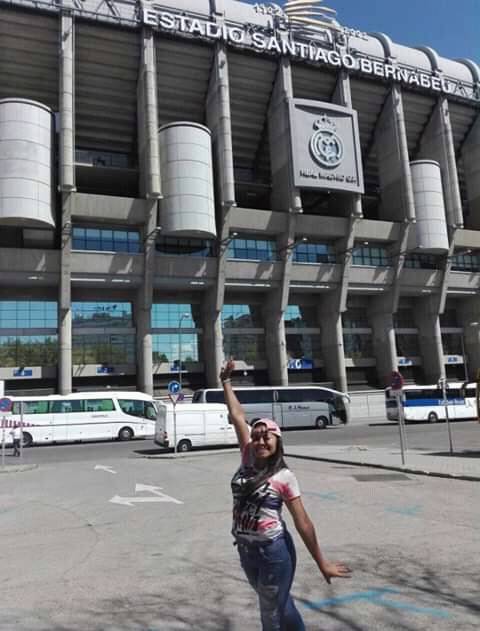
(105, 468)
(156, 490)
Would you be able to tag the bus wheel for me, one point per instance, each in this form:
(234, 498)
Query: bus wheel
(432, 417)
(184, 446)
(27, 439)
(321, 422)
(126, 433)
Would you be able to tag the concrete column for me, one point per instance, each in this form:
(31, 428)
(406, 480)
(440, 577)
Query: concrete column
(468, 313)
(393, 160)
(65, 298)
(332, 344)
(150, 188)
(143, 304)
(384, 347)
(144, 341)
(437, 144)
(212, 339)
(343, 96)
(219, 122)
(471, 162)
(66, 100)
(275, 343)
(285, 196)
(430, 338)
(147, 119)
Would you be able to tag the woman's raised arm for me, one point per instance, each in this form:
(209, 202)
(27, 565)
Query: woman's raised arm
(235, 410)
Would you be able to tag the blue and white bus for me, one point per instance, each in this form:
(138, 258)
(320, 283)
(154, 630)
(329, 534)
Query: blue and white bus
(426, 403)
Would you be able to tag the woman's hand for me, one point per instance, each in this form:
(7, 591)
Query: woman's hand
(334, 570)
(227, 370)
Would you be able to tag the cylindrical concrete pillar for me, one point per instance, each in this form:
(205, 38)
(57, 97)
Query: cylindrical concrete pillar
(187, 207)
(429, 205)
(25, 163)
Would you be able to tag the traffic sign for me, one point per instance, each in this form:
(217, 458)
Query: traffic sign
(174, 387)
(396, 381)
(6, 404)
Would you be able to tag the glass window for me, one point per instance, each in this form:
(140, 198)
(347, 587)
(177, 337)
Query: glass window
(171, 316)
(357, 346)
(103, 349)
(166, 348)
(247, 347)
(214, 396)
(452, 343)
(106, 240)
(28, 314)
(407, 345)
(102, 314)
(185, 247)
(241, 316)
(31, 407)
(133, 407)
(371, 256)
(254, 396)
(28, 350)
(253, 249)
(314, 253)
(466, 263)
(298, 316)
(404, 319)
(66, 406)
(355, 318)
(449, 318)
(422, 261)
(99, 405)
(303, 346)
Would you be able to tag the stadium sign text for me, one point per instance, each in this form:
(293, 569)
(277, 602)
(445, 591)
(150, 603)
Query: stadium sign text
(285, 43)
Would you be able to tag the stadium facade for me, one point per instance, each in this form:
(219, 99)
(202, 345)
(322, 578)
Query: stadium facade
(190, 179)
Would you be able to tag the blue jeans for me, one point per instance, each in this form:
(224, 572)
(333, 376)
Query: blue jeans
(270, 569)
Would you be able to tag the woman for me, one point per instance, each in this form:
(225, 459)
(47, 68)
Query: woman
(260, 487)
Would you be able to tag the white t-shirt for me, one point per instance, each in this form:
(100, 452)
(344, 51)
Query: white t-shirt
(259, 516)
(16, 433)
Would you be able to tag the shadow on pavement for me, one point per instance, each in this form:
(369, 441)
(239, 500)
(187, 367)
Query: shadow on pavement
(465, 453)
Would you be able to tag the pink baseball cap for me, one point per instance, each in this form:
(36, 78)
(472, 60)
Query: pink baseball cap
(271, 426)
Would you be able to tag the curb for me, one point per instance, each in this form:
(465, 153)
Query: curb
(402, 469)
(18, 468)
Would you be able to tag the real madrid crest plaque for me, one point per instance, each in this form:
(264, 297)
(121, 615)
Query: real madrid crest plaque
(325, 146)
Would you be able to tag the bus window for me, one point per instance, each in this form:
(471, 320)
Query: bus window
(211, 396)
(296, 395)
(150, 411)
(66, 406)
(99, 405)
(31, 407)
(254, 396)
(136, 407)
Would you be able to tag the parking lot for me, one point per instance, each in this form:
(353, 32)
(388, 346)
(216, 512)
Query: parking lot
(133, 543)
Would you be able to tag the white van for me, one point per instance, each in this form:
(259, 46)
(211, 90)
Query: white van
(193, 425)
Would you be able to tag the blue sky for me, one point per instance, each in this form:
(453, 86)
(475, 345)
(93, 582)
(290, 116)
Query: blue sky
(451, 27)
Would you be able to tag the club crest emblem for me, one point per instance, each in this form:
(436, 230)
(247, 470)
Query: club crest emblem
(326, 146)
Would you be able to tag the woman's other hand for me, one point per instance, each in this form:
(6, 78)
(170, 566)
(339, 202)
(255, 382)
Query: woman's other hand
(334, 570)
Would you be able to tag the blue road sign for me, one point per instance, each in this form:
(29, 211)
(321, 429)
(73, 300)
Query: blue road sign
(174, 387)
(6, 404)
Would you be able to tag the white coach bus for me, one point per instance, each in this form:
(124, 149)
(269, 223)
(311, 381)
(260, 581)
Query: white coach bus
(289, 406)
(426, 403)
(84, 416)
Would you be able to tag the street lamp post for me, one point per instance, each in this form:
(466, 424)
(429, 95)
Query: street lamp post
(183, 317)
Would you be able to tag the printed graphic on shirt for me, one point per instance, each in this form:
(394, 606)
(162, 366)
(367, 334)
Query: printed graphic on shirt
(259, 515)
